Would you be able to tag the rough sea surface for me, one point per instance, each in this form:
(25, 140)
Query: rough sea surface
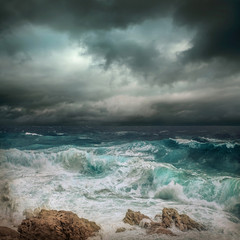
(100, 172)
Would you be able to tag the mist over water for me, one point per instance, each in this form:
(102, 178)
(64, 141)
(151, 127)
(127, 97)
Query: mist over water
(99, 173)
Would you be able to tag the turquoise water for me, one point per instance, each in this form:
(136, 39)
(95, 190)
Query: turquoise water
(101, 172)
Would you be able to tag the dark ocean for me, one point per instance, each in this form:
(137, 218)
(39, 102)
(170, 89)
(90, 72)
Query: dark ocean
(100, 172)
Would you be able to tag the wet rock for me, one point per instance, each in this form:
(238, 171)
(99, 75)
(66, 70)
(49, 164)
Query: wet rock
(8, 234)
(134, 218)
(137, 218)
(122, 229)
(189, 224)
(169, 216)
(183, 221)
(57, 225)
(157, 228)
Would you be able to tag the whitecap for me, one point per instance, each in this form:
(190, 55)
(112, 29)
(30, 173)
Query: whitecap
(32, 134)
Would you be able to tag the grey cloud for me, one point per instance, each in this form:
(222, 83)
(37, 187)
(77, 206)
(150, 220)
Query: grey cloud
(42, 91)
(62, 114)
(214, 110)
(81, 14)
(218, 21)
(133, 36)
(138, 57)
(29, 39)
(216, 24)
(46, 96)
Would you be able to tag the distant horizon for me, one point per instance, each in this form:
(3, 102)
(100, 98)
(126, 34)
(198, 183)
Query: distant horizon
(115, 125)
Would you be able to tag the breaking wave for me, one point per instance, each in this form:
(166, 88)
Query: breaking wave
(134, 171)
(99, 174)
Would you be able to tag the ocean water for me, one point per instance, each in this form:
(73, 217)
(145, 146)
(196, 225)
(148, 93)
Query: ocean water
(100, 172)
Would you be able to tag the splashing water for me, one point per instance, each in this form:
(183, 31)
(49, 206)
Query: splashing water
(100, 173)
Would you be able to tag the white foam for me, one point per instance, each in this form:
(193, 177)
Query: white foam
(32, 134)
(60, 134)
(172, 191)
(57, 179)
(190, 142)
(221, 142)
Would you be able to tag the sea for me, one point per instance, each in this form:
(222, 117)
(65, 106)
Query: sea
(99, 172)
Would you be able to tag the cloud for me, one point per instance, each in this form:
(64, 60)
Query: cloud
(30, 39)
(217, 21)
(216, 26)
(119, 61)
(213, 111)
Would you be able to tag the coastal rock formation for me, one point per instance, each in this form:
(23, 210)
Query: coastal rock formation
(157, 228)
(181, 221)
(8, 234)
(134, 218)
(137, 218)
(169, 217)
(57, 225)
(122, 229)
(62, 225)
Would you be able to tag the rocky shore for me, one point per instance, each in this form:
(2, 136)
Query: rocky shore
(161, 223)
(65, 225)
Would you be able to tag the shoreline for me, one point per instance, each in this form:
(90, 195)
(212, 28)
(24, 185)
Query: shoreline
(53, 224)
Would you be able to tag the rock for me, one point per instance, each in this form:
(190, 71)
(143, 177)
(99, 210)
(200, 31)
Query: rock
(183, 221)
(156, 228)
(134, 218)
(170, 215)
(8, 234)
(122, 229)
(161, 230)
(189, 224)
(137, 218)
(56, 225)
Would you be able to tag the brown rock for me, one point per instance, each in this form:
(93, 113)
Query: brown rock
(134, 218)
(137, 218)
(183, 221)
(189, 224)
(122, 229)
(8, 234)
(156, 228)
(57, 225)
(170, 215)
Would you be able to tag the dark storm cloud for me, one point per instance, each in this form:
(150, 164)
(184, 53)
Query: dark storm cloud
(29, 38)
(79, 18)
(119, 35)
(45, 105)
(39, 95)
(80, 14)
(139, 57)
(217, 21)
(218, 24)
(57, 115)
(211, 110)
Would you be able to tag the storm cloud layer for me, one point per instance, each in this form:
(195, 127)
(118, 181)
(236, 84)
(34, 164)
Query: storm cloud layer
(119, 62)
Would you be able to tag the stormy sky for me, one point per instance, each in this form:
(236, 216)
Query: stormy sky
(166, 62)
